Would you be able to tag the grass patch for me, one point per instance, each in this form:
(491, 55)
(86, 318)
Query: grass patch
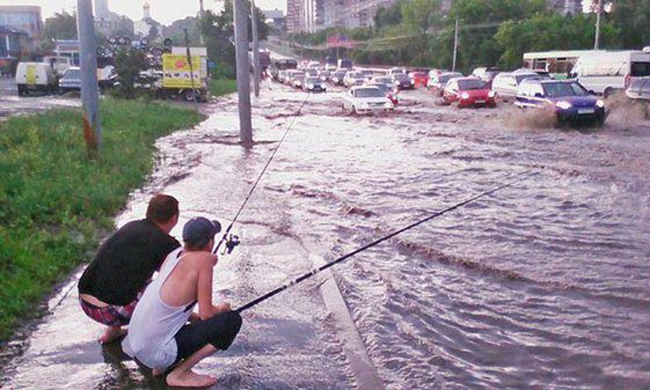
(219, 87)
(55, 200)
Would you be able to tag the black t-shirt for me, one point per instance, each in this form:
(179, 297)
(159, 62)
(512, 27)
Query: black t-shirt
(126, 261)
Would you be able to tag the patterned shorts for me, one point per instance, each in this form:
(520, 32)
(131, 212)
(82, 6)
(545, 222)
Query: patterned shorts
(110, 315)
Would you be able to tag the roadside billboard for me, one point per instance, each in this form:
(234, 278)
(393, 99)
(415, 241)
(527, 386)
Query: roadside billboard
(176, 71)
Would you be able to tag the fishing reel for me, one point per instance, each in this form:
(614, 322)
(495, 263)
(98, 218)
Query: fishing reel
(231, 242)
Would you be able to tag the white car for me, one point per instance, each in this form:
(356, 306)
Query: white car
(361, 100)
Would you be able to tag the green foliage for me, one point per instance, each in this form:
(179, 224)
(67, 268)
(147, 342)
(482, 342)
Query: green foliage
(175, 31)
(218, 30)
(60, 26)
(129, 62)
(55, 201)
(391, 16)
(220, 87)
(632, 17)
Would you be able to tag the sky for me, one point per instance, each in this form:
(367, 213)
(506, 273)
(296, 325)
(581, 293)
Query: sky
(164, 11)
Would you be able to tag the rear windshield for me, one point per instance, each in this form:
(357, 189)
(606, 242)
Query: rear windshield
(564, 89)
(369, 93)
(448, 76)
(523, 77)
(640, 69)
(401, 76)
(312, 80)
(467, 85)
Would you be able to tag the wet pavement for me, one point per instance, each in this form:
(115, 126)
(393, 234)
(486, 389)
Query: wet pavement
(541, 285)
(11, 104)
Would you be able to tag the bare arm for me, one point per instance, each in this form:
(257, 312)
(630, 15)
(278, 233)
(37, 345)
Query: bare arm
(206, 308)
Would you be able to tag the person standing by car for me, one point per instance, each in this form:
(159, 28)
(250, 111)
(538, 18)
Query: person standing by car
(112, 284)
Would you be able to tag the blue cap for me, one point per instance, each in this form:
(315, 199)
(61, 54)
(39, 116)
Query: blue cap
(198, 231)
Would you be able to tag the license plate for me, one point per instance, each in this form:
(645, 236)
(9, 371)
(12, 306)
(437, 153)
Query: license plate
(586, 111)
(480, 101)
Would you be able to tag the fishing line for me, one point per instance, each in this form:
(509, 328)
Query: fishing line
(315, 271)
(233, 241)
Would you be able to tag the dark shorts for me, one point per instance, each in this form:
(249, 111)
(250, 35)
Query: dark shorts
(110, 315)
(220, 331)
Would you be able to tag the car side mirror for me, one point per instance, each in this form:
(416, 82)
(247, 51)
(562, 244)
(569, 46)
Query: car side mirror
(592, 92)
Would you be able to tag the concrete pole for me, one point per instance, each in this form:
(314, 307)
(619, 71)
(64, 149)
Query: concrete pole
(189, 61)
(453, 67)
(257, 72)
(89, 88)
(201, 15)
(599, 10)
(243, 72)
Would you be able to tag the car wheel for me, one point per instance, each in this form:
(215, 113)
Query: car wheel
(189, 94)
(607, 93)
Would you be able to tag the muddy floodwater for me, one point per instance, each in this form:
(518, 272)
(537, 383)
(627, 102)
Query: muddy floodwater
(543, 285)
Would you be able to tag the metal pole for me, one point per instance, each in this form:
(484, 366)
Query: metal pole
(201, 15)
(599, 9)
(189, 61)
(243, 72)
(257, 72)
(89, 88)
(453, 67)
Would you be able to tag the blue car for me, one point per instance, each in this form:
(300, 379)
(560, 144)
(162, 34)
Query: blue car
(572, 102)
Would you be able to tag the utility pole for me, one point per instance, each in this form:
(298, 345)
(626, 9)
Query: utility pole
(257, 72)
(201, 15)
(453, 67)
(89, 89)
(189, 61)
(243, 70)
(599, 10)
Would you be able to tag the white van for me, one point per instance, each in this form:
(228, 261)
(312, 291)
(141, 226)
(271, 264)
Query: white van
(35, 76)
(609, 71)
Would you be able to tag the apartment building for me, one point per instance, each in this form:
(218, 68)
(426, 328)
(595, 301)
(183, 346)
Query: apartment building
(23, 17)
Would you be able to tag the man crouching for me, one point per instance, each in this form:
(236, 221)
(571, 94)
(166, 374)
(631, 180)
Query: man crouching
(159, 333)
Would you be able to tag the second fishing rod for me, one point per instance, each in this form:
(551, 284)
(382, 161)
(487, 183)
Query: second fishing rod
(232, 240)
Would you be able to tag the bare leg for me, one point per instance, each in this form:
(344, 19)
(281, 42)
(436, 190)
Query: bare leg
(112, 333)
(183, 376)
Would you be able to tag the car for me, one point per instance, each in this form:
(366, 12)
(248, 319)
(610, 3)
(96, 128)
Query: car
(364, 99)
(345, 63)
(35, 76)
(298, 80)
(354, 78)
(437, 83)
(71, 80)
(543, 75)
(314, 84)
(291, 74)
(402, 81)
(395, 70)
(311, 72)
(281, 75)
(639, 89)
(571, 101)
(469, 92)
(505, 84)
(324, 74)
(390, 93)
(486, 74)
(337, 77)
(420, 79)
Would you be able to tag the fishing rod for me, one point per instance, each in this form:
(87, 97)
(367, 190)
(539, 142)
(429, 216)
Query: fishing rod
(315, 271)
(232, 240)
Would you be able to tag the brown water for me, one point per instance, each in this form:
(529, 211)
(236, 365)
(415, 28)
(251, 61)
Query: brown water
(541, 285)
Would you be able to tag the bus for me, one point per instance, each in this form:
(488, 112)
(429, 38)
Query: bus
(557, 63)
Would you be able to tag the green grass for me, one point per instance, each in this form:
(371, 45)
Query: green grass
(219, 87)
(55, 201)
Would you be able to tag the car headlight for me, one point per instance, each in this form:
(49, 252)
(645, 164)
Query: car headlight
(364, 105)
(388, 105)
(464, 95)
(492, 94)
(600, 103)
(412, 81)
(563, 105)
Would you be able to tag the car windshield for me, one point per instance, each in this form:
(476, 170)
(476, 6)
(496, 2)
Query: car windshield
(312, 80)
(564, 89)
(383, 87)
(72, 74)
(401, 77)
(522, 77)
(369, 93)
(467, 85)
(447, 76)
(299, 77)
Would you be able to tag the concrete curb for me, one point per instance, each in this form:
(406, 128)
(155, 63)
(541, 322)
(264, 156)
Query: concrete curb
(355, 350)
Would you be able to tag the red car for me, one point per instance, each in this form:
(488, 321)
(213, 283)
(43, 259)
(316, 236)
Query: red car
(390, 93)
(419, 79)
(469, 92)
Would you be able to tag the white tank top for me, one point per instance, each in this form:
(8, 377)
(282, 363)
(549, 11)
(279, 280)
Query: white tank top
(154, 324)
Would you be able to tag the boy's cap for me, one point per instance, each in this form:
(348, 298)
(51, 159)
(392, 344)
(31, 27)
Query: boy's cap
(199, 231)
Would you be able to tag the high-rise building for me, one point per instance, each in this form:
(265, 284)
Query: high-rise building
(22, 17)
(295, 23)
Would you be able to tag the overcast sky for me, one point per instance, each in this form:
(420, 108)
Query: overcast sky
(164, 11)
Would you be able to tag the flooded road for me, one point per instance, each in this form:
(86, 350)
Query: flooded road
(541, 285)
(11, 104)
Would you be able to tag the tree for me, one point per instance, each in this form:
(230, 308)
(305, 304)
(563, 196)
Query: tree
(419, 17)
(632, 17)
(60, 26)
(390, 16)
(129, 62)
